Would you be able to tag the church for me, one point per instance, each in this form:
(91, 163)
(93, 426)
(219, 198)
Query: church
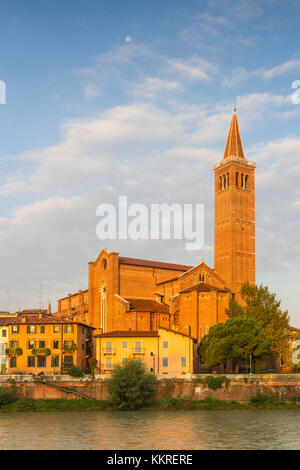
(138, 295)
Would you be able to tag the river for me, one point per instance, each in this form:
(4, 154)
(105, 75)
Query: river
(179, 430)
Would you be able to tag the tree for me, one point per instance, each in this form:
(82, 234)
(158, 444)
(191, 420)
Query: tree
(262, 306)
(130, 385)
(238, 338)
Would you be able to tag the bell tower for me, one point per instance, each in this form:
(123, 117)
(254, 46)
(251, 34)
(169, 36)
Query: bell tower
(234, 249)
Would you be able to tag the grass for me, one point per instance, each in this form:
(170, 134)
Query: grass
(260, 402)
(55, 405)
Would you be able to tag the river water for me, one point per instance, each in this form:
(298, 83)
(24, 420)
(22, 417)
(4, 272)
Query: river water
(179, 430)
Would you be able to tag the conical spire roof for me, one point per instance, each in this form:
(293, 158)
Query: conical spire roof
(234, 146)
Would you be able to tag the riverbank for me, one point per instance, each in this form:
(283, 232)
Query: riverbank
(167, 403)
(231, 388)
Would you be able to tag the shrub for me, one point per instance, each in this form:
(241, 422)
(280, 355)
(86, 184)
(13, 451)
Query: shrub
(261, 399)
(296, 399)
(215, 382)
(74, 371)
(7, 396)
(130, 385)
(167, 402)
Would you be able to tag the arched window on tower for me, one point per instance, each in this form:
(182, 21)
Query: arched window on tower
(220, 182)
(224, 181)
(227, 180)
(246, 181)
(237, 179)
(242, 180)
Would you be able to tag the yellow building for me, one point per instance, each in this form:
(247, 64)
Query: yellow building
(163, 351)
(40, 342)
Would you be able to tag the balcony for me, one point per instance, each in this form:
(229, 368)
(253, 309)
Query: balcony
(138, 351)
(109, 351)
(41, 352)
(13, 351)
(69, 348)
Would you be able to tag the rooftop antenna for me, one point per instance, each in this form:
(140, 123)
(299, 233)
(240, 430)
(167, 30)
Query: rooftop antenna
(40, 293)
(8, 298)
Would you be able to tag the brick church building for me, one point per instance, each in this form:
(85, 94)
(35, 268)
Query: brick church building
(127, 294)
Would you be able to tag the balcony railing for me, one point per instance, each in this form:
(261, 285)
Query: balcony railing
(109, 351)
(70, 348)
(41, 352)
(138, 351)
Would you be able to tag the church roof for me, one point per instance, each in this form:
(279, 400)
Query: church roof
(234, 147)
(204, 287)
(125, 334)
(153, 264)
(146, 305)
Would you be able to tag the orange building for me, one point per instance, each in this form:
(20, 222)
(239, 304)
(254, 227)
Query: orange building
(126, 294)
(41, 342)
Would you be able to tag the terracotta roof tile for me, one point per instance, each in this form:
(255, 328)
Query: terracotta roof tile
(44, 320)
(124, 334)
(153, 264)
(6, 320)
(147, 305)
(204, 287)
(178, 333)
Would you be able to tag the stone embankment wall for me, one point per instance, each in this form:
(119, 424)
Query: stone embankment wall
(241, 387)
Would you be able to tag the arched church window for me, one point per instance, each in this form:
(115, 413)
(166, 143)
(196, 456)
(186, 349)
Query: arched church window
(201, 278)
(242, 180)
(220, 182)
(224, 181)
(237, 178)
(246, 181)
(227, 180)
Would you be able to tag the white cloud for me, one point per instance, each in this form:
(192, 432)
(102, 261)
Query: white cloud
(152, 86)
(194, 68)
(292, 65)
(91, 91)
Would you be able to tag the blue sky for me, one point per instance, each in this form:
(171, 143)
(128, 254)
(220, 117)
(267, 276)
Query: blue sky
(112, 97)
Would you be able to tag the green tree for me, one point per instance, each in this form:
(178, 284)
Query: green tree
(262, 306)
(130, 385)
(238, 338)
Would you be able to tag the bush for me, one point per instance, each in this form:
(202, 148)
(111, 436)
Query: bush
(261, 399)
(7, 396)
(130, 385)
(167, 402)
(74, 371)
(296, 399)
(215, 382)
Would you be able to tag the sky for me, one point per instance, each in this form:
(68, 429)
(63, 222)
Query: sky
(109, 98)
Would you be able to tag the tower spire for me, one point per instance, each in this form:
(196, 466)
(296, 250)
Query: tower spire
(234, 147)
